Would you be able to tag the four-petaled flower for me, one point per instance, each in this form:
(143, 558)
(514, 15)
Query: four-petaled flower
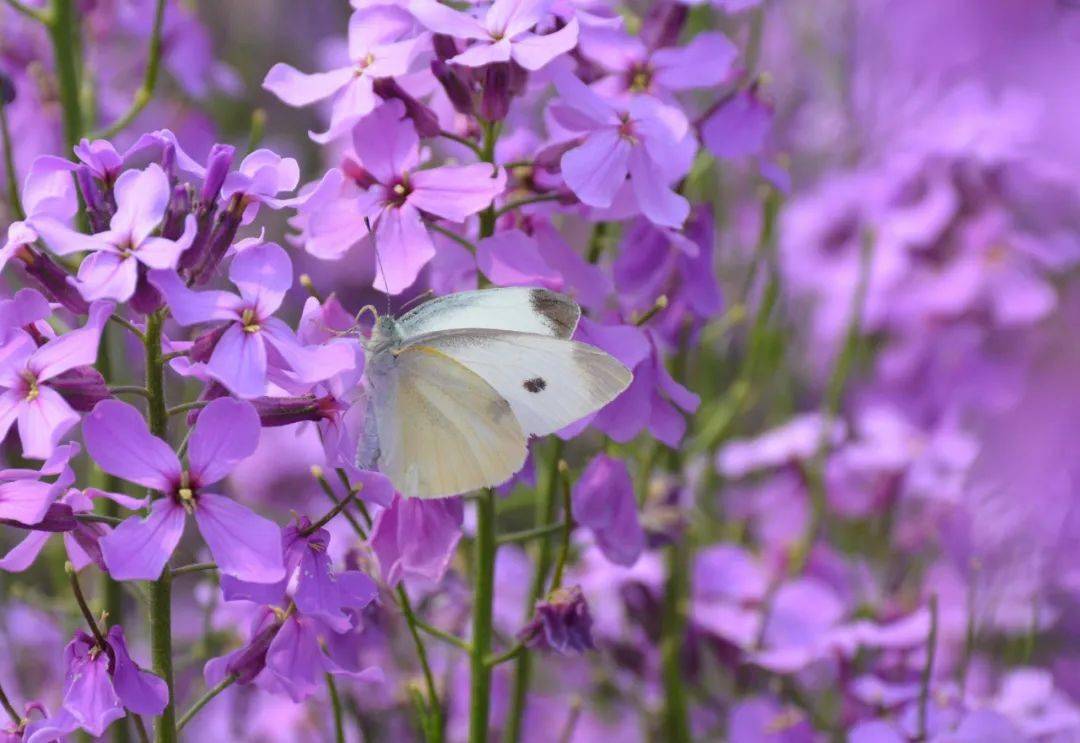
(244, 545)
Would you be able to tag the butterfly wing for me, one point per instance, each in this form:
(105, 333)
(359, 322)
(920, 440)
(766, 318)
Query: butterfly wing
(442, 430)
(521, 309)
(548, 382)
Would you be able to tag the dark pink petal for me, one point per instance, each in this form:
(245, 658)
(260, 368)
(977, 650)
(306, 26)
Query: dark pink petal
(118, 440)
(596, 169)
(43, 422)
(297, 89)
(226, 432)
(139, 548)
(239, 362)
(455, 193)
(245, 545)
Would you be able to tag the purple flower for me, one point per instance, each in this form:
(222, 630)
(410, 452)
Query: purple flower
(28, 375)
(562, 623)
(244, 545)
(254, 345)
(101, 683)
(512, 258)
(603, 501)
(416, 538)
(703, 62)
(380, 46)
(25, 498)
(48, 195)
(643, 138)
(81, 542)
(262, 175)
(319, 591)
(504, 34)
(394, 194)
(112, 268)
(653, 400)
(738, 126)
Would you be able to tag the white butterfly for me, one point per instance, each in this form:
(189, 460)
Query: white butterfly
(458, 384)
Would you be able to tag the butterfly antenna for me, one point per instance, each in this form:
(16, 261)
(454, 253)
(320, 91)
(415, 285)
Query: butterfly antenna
(428, 294)
(378, 262)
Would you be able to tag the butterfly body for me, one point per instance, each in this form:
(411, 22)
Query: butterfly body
(459, 384)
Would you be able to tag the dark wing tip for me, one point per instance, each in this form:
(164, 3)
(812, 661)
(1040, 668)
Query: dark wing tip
(559, 311)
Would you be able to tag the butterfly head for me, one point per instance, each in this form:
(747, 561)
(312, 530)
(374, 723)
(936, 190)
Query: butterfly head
(385, 334)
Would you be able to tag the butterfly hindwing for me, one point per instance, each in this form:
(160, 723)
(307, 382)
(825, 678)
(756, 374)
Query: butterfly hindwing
(520, 309)
(442, 429)
(548, 382)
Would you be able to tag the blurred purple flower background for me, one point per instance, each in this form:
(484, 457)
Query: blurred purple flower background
(836, 243)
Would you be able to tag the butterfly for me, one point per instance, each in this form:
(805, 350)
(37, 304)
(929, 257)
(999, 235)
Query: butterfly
(458, 384)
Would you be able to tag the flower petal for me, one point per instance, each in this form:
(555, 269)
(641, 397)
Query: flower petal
(141, 198)
(226, 432)
(118, 440)
(533, 52)
(386, 142)
(139, 548)
(239, 362)
(244, 544)
(263, 274)
(404, 247)
(72, 349)
(190, 307)
(441, 19)
(105, 275)
(596, 169)
(298, 89)
(23, 554)
(43, 422)
(657, 201)
(140, 691)
(455, 193)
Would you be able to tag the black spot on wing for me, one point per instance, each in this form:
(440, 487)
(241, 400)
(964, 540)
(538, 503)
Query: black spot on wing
(536, 384)
(559, 312)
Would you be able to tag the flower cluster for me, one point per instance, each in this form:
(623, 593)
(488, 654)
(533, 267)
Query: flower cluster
(838, 499)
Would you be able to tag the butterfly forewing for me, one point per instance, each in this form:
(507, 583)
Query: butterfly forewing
(548, 382)
(442, 429)
(519, 309)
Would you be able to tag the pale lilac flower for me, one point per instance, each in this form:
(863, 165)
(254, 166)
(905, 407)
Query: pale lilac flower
(705, 61)
(603, 501)
(381, 45)
(416, 539)
(48, 195)
(795, 441)
(503, 35)
(28, 375)
(641, 139)
(396, 195)
(262, 175)
(253, 345)
(112, 269)
(739, 126)
(244, 545)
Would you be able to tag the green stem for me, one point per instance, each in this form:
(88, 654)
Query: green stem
(568, 528)
(204, 700)
(433, 722)
(9, 165)
(462, 241)
(161, 590)
(676, 723)
(9, 708)
(545, 511)
(537, 199)
(480, 677)
(195, 567)
(527, 535)
(146, 91)
(335, 704)
(63, 31)
(33, 13)
(443, 635)
(928, 669)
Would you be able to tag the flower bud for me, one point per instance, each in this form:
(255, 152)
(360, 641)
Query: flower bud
(250, 660)
(7, 90)
(146, 298)
(445, 47)
(222, 236)
(83, 387)
(97, 211)
(663, 24)
(218, 163)
(172, 225)
(55, 281)
(495, 103)
(425, 120)
(284, 411)
(457, 90)
(562, 623)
